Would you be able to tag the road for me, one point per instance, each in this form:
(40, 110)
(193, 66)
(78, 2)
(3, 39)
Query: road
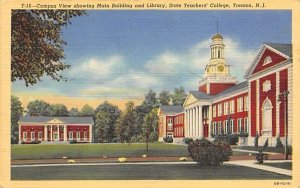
(139, 171)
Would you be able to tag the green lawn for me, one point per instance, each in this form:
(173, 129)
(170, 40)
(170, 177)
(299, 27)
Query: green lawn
(52, 151)
(57, 151)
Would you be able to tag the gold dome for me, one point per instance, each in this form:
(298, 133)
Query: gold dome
(217, 36)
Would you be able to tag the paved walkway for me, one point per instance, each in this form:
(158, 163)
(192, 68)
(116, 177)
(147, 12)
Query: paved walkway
(253, 164)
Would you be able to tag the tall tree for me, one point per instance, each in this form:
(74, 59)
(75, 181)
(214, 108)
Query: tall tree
(39, 108)
(87, 110)
(102, 126)
(178, 97)
(127, 122)
(150, 125)
(150, 102)
(74, 112)
(59, 110)
(37, 45)
(112, 113)
(164, 97)
(16, 112)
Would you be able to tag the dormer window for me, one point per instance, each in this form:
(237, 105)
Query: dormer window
(267, 60)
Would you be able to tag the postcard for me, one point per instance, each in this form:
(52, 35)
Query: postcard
(149, 93)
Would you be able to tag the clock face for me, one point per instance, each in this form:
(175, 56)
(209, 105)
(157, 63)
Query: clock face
(220, 68)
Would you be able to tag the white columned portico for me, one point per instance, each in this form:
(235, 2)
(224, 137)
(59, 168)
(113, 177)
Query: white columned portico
(185, 123)
(45, 133)
(65, 132)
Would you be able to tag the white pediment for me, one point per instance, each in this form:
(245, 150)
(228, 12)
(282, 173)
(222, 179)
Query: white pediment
(190, 99)
(55, 121)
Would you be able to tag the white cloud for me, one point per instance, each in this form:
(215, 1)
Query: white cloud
(99, 67)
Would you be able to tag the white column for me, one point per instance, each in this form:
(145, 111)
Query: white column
(190, 122)
(257, 106)
(90, 133)
(20, 134)
(58, 127)
(45, 133)
(201, 123)
(290, 104)
(185, 123)
(194, 121)
(197, 121)
(277, 104)
(51, 132)
(65, 132)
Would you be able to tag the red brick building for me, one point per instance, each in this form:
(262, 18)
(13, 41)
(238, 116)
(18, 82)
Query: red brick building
(55, 129)
(255, 106)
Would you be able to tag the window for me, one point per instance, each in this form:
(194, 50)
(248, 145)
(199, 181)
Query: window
(246, 103)
(231, 106)
(246, 125)
(170, 124)
(85, 135)
(70, 135)
(231, 126)
(267, 118)
(240, 104)
(267, 60)
(220, 127)
(240, 125)
(225, 126)
(220, 109)
(214, 127)
(78, 135)
(24, 135)
(40, 135)
(32, 135)
(214, 110)
(226, 108)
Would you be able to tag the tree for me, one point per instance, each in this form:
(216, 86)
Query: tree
(112, 113)
(150, 124)
(87, 110)
(16, 112)
(59, 110)
(164, 97)
(36, 43)
(39, 108)
(102, 126)
(74, 112)
(127, 122)
(178, 97)
(150, 101)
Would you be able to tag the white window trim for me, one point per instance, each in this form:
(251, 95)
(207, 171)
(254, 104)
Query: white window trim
(25, 136)
(32, 135)
(239, 125)
(231, 126)
(246, 125)
(267, 60)
(225, 126)
(71, 136)
(214, 110)
(220, 109)
(85, 135)
(246, 103)
(77, 138)
(226, 108)
(40, 133)
(232, 107)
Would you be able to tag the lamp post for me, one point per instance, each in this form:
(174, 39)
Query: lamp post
(284, 94)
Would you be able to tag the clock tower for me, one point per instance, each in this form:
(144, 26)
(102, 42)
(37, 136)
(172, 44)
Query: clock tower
(217, 76)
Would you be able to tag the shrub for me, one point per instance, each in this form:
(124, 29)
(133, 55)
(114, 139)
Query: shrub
(243, 134)
(72, 141)
(205, 152)
(187, 140)
(35, 142)
(278, 142)
(231, 139)
(168, 139)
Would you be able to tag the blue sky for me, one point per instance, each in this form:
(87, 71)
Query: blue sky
(122, 54)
